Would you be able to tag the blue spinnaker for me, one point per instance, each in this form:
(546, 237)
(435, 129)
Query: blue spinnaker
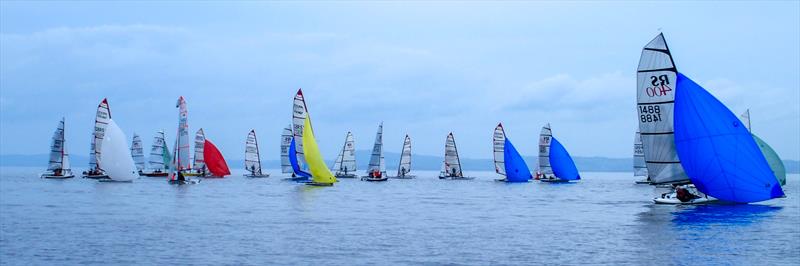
(516, 169)
(562, 164)
(716, 150)
(293, 160)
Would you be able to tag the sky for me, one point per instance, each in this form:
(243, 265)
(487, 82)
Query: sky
(423, 68)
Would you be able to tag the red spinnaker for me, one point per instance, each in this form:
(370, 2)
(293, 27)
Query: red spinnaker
(214, 160)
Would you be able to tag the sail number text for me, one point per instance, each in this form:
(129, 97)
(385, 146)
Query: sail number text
(649, 113)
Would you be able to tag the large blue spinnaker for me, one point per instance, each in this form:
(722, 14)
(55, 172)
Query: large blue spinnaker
(716, 150)
(562, 164)
(293, 161)
(515, 167)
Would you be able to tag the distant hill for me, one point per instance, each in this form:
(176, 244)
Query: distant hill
(419, 161)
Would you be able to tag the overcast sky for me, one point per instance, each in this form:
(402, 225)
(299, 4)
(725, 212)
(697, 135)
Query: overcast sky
(425, 69)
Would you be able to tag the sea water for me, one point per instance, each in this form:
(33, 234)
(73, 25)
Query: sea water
(604, 218)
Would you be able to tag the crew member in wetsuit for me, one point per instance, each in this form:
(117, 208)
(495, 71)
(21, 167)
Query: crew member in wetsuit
(181, 177)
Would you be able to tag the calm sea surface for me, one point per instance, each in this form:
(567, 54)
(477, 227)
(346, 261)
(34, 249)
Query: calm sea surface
(604, 218)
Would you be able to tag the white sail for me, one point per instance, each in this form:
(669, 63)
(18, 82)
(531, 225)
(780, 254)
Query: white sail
(639, 166)
(499, 143)
(137, 152)
(57, 149)
(376, 162)
(116, 156)
(452, 164)
(181, 159)
(405, 158)
(286, 140)
(299, 114)
(655, 94)
(545, 137)
(157, 150)
(252, 159)
(346, 161)
(101, 120)
(745, 117)
(199, 164)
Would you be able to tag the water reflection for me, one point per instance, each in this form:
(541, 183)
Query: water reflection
(739, 214)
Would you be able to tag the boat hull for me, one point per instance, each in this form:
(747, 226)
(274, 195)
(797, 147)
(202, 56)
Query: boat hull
(555, 180)
(675, 201)
(183, 182)
(404, 177)
(317, 184)
(114, 181)
(642, 182)
(457, 177)
(154, 174)
(57, 176)
(257, 176)
(346, 176)
(373, 179)
(96, 176)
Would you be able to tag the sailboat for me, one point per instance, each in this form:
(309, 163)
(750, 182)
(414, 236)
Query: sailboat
(345, 164)
(58, 166)
(451, 167)
(137, 153)
(376, 169)
(717, 151)
(214, 161)
(320, 174)
(639, 166)
(252, 158)
(160, 158)
(775, 162)
(198, 163)
(115, 155)
(299, 114)
(405, 160)
(101, 120)
(507, 160)
(555, 163)
(180, 158)
(286, 141)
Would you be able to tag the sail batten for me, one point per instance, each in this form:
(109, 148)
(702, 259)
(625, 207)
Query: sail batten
(655, 91)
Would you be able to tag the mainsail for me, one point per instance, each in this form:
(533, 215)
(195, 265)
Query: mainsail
(181, 159)
(137, 152)
(214, 160)
(346, 161)
(286, 140)
(452, 164)
(252, 159)
(376, 161)
(58, 153)
(199, 163)
(100, 121)
(639, 166)
(116, 156)
(316, 164)
(498, 141)
(717, 151)
(545, 138)
(405, 158)
(655, 93)
(299, 114)
(159, 153)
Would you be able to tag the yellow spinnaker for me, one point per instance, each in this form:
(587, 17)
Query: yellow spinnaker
(319, 170)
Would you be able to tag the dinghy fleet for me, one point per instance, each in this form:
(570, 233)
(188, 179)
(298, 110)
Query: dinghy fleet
(687, 141)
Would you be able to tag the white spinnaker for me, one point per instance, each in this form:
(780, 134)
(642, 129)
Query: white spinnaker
(137, 152)
(545, 136)
(405, 157)
(639, 166)
(346, 161)
(452, 164)
(181, 158)
(745, 117)
(156, 159)
(299, 114)
(199, 143)
(286, 140)
(252, 160)
(116, 156)
(376, 161)
(57, 148)
(100, 121)
(655, 94)
(499, 143)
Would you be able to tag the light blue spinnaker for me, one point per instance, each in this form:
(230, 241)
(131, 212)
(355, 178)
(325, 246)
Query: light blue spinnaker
(562, 164)
(716, 150)
(515, 167)
(301, 175)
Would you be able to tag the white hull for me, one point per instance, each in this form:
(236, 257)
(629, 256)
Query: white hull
(346, 176)
(50, 176)
(404, 177)
(374, 179)
(672, 197)
(456, 177)
(554, 180)
(675, 201)
(257, 176)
